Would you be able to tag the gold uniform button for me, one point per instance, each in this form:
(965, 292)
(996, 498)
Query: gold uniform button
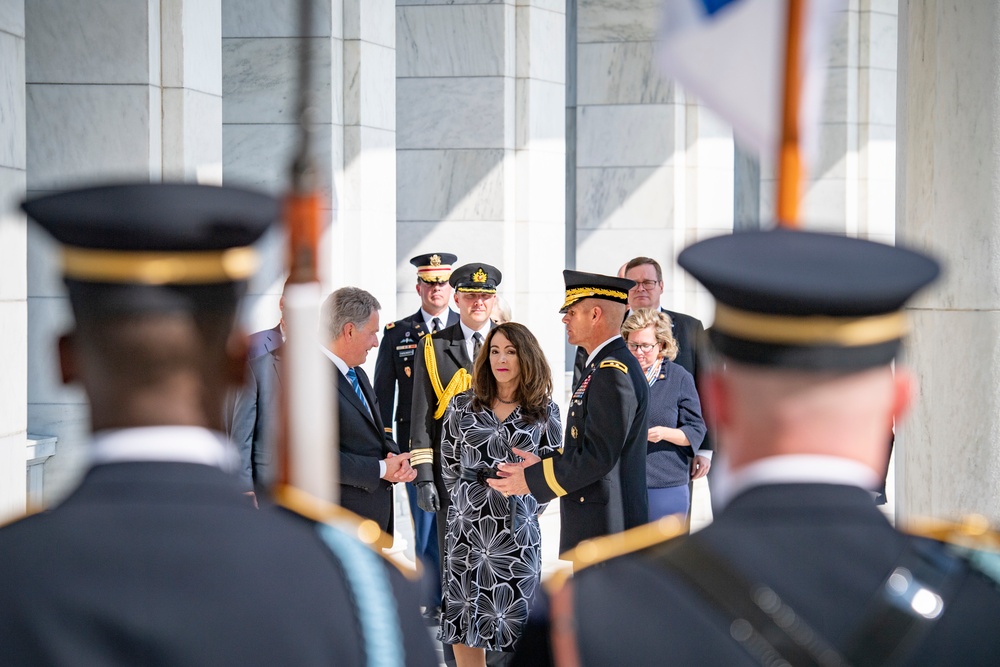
(581, 499)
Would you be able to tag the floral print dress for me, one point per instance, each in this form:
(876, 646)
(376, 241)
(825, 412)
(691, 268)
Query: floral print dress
(493, 560)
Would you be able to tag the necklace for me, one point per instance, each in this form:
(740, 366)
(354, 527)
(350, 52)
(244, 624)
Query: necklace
(506, 402)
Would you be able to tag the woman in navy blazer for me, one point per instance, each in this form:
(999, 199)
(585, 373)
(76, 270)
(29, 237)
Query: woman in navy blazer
(676, 428)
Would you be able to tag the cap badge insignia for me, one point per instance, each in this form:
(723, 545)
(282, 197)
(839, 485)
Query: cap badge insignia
(479, 276)
(435, 260)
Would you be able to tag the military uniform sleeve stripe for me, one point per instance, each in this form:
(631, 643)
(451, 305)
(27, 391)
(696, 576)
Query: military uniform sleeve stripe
(423, 455)
(614, 363)
(550, 477)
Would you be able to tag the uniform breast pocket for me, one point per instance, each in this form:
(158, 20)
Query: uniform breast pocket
(596, 493)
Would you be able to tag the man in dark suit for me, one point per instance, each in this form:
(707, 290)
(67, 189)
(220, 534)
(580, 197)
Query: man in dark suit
(601, 474)
(157, 558)
(799, 567)
(396, 355)
(370, 461)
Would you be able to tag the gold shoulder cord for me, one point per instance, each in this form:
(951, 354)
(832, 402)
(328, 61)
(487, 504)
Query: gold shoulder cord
(460, 382)
(364, 530)
(972, 537)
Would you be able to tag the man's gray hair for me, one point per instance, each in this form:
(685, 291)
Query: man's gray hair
(348, 304)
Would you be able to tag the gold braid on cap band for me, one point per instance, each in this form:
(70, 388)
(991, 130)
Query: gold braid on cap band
(577, 293)
(159, 268)
(810, 330)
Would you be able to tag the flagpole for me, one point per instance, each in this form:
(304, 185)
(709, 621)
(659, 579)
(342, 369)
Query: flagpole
(307, 454)
(790, 169)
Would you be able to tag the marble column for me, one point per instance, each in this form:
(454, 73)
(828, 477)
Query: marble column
(851, 181)
(115, 90)
(948, 204)
(480, 160)
(352, 47)
(654, 168)
(13, 284)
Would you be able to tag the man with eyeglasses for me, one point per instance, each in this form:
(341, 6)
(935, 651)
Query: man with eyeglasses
(647, 275)
(396, 356)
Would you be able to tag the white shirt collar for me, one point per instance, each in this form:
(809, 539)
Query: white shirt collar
(337, 361)
(429, 319)
(467, 332)
(797, 469)
(181, 444)
(599, 348)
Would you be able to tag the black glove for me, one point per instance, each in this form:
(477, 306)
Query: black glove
(427, 497)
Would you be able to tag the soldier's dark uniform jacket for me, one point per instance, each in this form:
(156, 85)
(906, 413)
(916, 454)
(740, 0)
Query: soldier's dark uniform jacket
(805, 572)
(443, 368)
(601, 473)
(396, 357)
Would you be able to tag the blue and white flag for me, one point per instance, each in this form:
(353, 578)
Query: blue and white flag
(731, 54)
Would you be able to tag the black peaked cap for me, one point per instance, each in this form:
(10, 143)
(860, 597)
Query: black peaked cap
(806, 299)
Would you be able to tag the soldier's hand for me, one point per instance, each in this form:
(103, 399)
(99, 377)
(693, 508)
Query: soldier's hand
(427, 497)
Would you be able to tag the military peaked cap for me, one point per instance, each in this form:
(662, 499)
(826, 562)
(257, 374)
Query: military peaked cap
(807, 300)
(478, 278)
(580, 285)
(434, 267)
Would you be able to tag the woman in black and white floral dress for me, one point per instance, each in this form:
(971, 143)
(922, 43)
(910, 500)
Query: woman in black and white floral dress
(493, 561)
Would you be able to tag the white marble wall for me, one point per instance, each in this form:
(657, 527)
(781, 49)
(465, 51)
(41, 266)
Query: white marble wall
(481, 148)
(115, 90)
(13, 284)
(947, 203)
(260, 51)
(352, 47)
(654, 168)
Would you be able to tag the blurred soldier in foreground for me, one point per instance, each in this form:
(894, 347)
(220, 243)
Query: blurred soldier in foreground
(158, 558)
(799, 567)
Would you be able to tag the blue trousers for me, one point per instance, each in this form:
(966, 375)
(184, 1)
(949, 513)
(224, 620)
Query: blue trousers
(671, 500)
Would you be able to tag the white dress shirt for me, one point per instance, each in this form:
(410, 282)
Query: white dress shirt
(181, 444)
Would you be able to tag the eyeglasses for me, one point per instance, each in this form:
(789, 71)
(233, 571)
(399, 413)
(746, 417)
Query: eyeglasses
(645, 347)
(647, 285)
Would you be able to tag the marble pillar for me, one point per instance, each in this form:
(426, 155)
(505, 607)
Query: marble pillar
(481, 143)
(654, 168)
(948, 203)
(261, 42)
(351, 44)
(13, 284)
(115, 90)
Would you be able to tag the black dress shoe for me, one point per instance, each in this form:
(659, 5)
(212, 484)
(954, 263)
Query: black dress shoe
(432, 615)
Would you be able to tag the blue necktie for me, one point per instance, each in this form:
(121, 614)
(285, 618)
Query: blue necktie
(353, 377)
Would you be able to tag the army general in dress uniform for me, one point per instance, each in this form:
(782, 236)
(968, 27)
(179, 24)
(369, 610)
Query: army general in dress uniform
(799, 567)
(394, 367)
(157, 557)
(600, 476)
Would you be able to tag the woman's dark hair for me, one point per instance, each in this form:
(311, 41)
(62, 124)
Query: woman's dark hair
(534, 390)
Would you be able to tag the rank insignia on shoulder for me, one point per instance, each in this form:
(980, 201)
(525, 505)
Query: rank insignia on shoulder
(614, 363)
(390, 325)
